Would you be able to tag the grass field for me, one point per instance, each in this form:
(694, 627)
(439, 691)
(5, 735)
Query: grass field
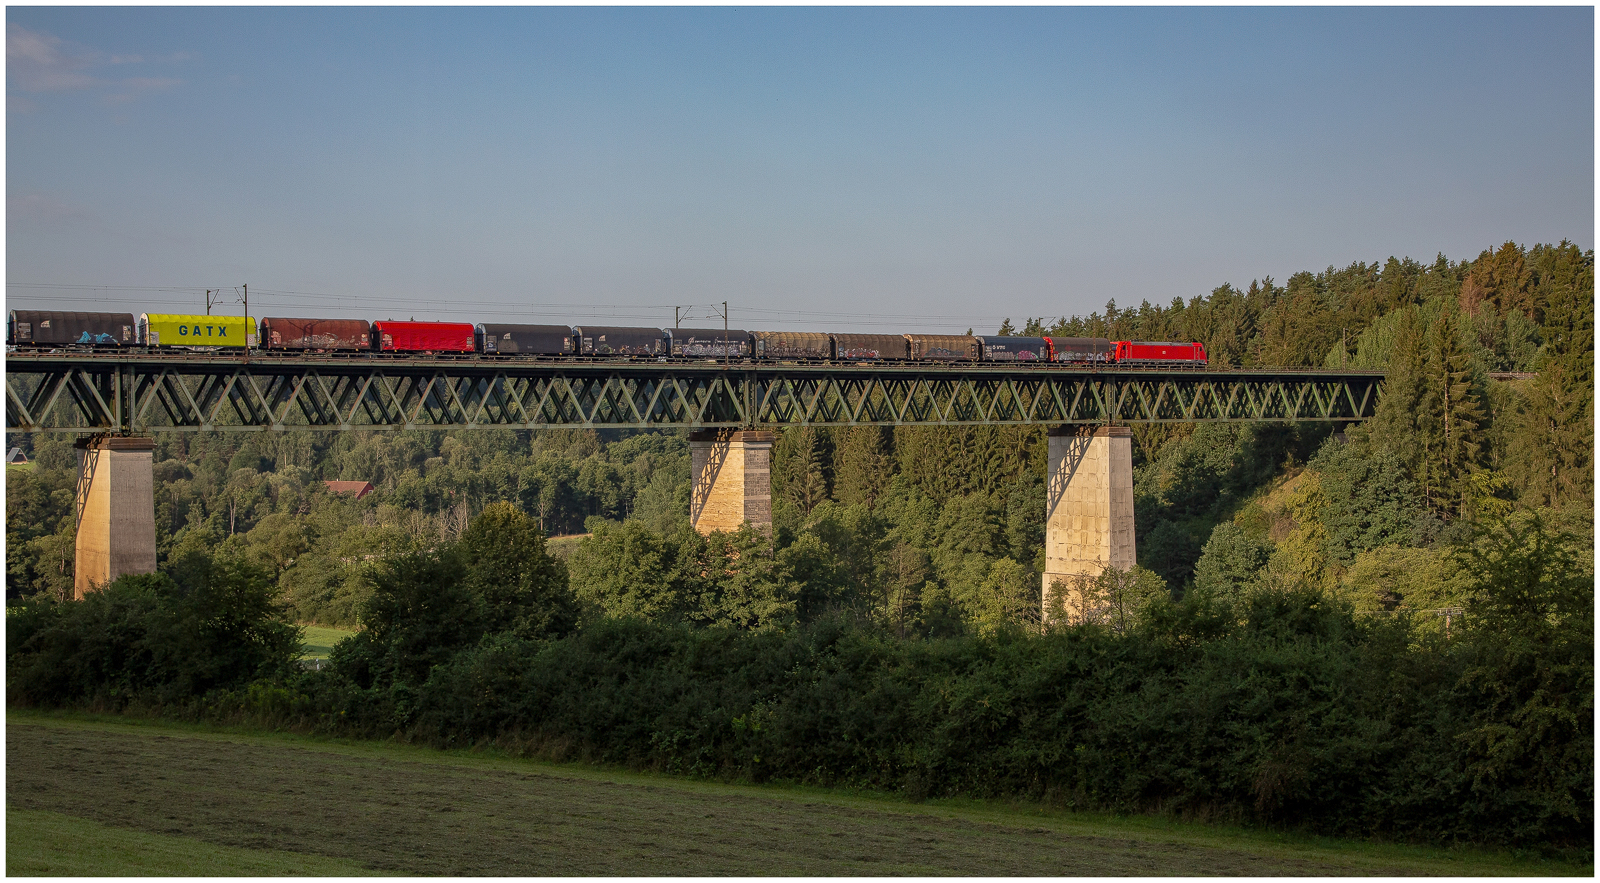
(207, 802)
(49, 844)
(563, 547)
(318, 640)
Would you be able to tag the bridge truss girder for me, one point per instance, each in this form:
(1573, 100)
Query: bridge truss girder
(158, 393)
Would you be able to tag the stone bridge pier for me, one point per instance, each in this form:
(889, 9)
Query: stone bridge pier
(116, 530)
(1088, 509)
(732, 483)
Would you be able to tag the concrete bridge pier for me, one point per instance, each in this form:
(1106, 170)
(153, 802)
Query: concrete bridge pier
(732, 479)
(116, 511)
(1088, 510)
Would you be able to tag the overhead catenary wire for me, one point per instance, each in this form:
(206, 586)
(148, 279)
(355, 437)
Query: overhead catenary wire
(650, 313)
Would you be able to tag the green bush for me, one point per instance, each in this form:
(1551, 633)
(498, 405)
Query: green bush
(150, 638)
(1286, 709)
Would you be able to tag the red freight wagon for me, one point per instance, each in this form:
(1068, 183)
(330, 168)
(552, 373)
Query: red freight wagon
(1147, 352)
(423, 337)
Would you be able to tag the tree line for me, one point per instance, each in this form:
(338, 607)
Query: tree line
(1412, 595)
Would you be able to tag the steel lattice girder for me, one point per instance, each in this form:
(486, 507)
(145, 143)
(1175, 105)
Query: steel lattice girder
(155, 393)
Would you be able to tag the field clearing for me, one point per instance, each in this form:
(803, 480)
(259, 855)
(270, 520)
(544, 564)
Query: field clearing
(562, 547)
(399, 809)
(48, 844)
(318, 640)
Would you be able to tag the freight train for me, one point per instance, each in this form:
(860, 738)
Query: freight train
(33, 329)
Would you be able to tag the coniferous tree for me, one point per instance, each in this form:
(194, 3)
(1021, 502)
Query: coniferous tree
(1394, 426)
(862, 466)
(1552, 456)
(806, 484)
(1449, 417)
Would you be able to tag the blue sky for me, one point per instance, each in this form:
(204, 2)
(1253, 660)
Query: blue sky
(889, 169)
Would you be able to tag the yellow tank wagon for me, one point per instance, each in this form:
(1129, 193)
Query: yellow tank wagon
(164, 329)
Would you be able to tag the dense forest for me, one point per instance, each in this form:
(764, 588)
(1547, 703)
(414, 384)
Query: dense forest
(938, 531)
(1416, 590)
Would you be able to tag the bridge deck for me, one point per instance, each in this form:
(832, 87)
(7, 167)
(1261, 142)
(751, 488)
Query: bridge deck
(142, 393)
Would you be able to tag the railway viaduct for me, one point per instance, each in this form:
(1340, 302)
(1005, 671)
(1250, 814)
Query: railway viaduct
(114, 402)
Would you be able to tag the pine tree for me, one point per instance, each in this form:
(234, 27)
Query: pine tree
(862, 465)
(1006, 328)
(1552, 456)
(1449, 417)
(1394, 426)
(806, 482)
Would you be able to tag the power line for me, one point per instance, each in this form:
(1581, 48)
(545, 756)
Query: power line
(293, 299)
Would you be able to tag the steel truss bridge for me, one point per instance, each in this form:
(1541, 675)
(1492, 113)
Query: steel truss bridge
(144, 393)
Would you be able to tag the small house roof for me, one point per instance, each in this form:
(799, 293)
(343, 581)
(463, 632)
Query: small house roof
(359, 488)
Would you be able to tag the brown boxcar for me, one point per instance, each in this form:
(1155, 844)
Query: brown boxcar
(793, 345)
(594, 341)
(525, 340)
(1086, 350)
(870, 346)
(944, 347)
(423, 337)
(279, 333)
(51, 328)
(710, 343)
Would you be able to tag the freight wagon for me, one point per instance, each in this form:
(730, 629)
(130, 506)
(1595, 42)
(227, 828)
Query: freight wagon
(525, 340)
(1015, 349)
(323, 335)
(944, 347)
(1089, 350)
(202, 332)
(1138, 353)
(714, 343)
(854, 347)
(54, 328)
(423, 337)
(594, 341)
(794, 346)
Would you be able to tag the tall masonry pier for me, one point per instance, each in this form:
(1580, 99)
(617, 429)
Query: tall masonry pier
(116, 511)
(732, 479)
(1089, 508)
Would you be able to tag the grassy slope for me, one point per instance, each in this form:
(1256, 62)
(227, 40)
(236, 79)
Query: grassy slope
(48, 844)
(318, 640)
(403, 809)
